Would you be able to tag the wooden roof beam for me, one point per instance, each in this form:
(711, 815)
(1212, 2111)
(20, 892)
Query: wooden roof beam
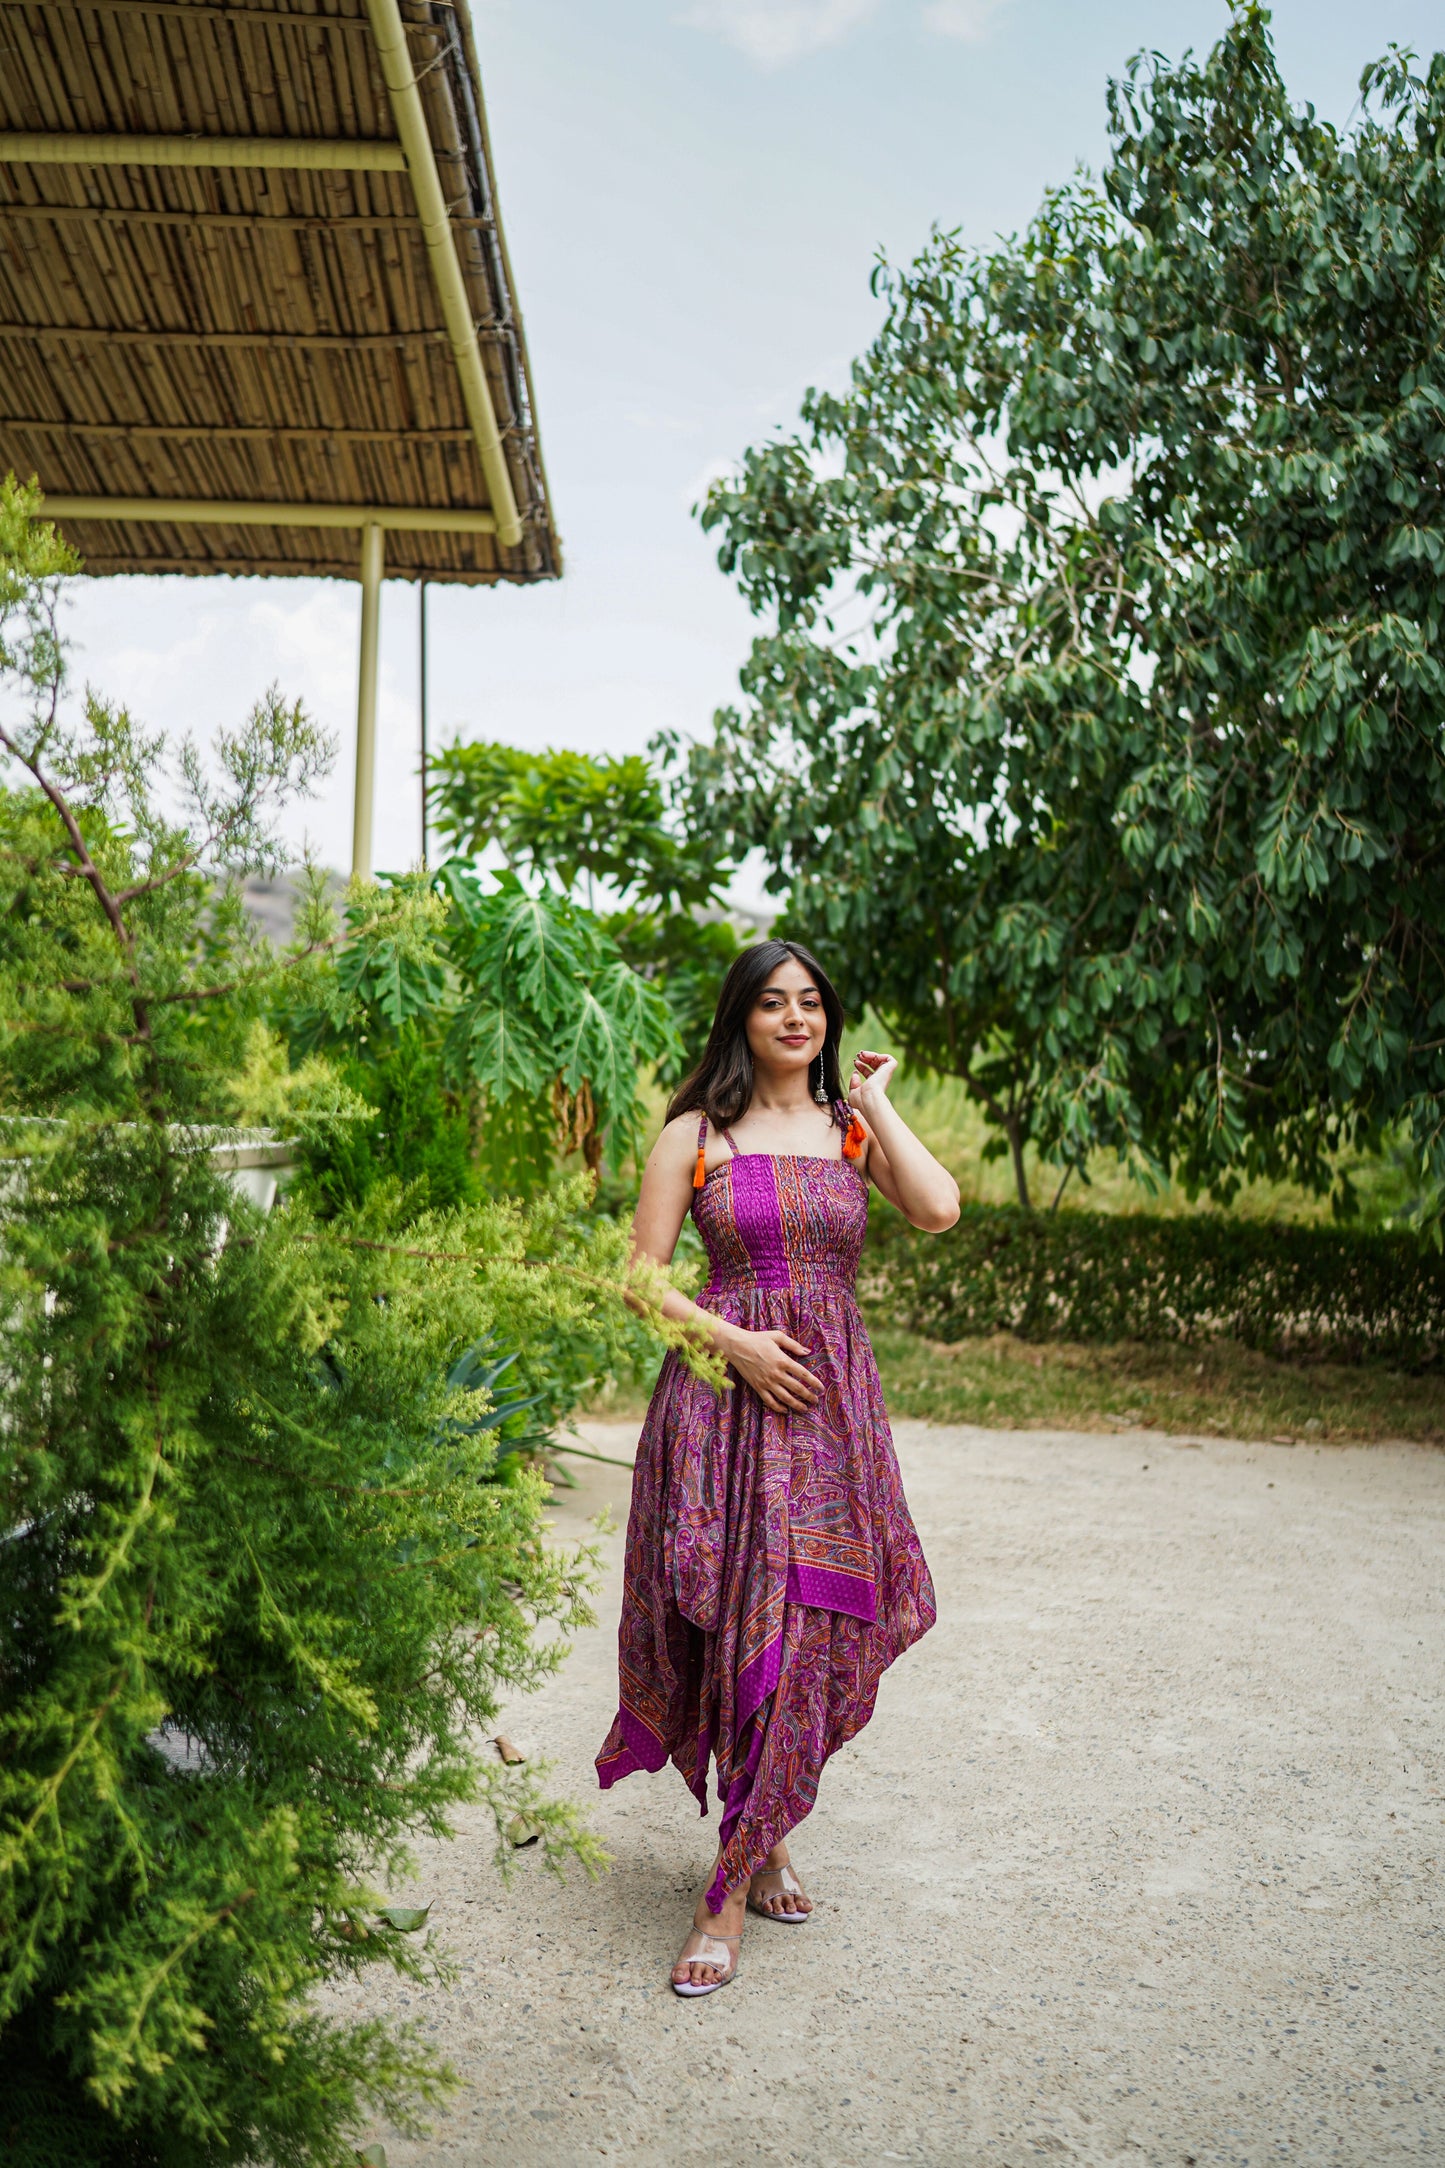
(227, 432)
(293, 154)
(321, 342)
(282, 17)
(282, 221)
(219, 512)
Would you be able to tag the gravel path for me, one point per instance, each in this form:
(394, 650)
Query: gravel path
(1137, 1862)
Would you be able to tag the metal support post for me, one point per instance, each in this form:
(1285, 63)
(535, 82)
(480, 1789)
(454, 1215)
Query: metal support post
(373, 560)
(423, 731)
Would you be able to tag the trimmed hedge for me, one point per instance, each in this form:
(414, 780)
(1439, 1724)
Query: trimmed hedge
(1286, 1290)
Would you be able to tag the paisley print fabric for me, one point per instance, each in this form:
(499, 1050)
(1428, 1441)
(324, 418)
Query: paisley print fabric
(773, 1571)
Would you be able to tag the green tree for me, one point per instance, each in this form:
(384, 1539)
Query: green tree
(260, 1588)
(569, 817)
(574, 820)
(1097, 727)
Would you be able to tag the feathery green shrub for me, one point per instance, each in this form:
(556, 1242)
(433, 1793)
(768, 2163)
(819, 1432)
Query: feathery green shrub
(263, 1577)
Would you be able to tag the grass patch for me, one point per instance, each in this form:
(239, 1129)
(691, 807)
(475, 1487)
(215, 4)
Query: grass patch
(1001, 1383)
(1006, 1384)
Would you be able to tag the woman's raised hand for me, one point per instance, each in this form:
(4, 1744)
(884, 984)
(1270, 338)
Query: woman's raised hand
(872, 1075)
(773, 1364)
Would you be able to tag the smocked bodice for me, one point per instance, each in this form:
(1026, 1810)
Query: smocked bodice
(790, 1221)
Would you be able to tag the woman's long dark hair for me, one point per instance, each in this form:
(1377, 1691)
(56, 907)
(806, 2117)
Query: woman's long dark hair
(721, 1086)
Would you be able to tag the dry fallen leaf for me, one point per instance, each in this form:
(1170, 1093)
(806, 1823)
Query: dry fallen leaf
(507, 1750)
(522, 1830)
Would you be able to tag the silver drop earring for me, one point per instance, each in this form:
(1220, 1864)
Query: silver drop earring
(821, 1094)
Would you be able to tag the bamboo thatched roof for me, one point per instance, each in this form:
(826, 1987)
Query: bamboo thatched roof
(179, 323)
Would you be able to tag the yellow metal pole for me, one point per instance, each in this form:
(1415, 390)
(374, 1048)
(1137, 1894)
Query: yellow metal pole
(406, 107)
(373, 558)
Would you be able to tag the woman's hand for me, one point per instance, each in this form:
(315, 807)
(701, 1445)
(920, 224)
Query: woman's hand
(773, 1365)
(902, 1168)
(872, 1075)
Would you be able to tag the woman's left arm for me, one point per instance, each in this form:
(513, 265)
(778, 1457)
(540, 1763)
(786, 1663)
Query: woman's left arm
(905, 1170)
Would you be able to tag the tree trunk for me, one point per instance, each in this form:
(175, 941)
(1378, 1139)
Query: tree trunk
(1013, 1129)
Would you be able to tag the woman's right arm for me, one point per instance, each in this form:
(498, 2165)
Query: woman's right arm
(771, 1362)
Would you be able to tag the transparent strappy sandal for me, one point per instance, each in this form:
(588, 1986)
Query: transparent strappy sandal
(714, 1951)
(788, 1886)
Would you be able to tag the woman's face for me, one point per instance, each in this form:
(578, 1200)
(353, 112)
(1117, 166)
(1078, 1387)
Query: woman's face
(787, 1025)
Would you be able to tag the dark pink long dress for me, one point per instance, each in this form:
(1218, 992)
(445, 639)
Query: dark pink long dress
(773, 1571)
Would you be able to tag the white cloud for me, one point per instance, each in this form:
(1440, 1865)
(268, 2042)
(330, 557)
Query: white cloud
(774, 31)
(966, 19)
(659, 422)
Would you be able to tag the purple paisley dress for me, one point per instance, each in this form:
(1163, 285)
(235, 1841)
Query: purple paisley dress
(773, 1571)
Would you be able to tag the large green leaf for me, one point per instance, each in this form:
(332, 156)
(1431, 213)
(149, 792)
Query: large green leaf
(535, 946)
(386, 977)
(617, 1023)
(497, 1047)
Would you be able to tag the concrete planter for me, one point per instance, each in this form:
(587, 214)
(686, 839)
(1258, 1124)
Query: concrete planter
(254, 1161)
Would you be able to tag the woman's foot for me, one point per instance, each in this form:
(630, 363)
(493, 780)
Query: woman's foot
(776, 1892)
(709, 1957)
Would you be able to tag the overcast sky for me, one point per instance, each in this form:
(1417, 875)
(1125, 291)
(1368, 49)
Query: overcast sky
(694, 192)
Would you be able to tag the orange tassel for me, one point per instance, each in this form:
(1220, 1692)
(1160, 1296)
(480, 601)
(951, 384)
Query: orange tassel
(700, 1171)
(855, 1140)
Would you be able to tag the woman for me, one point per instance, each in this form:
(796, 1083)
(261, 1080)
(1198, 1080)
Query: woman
(773, 1571)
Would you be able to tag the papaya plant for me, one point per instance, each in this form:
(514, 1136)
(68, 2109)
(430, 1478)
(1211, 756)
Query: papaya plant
(577, 822)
